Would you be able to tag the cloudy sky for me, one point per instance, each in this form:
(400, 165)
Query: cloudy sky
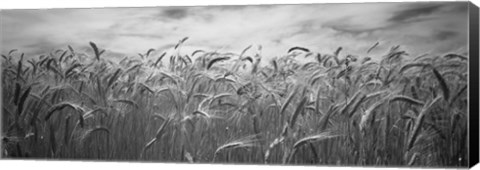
(419, 28)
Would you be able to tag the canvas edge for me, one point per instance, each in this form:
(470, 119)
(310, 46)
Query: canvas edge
(474, 84)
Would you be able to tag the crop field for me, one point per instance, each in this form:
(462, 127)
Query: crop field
(305, 107)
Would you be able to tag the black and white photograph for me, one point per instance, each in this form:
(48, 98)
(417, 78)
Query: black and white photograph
(374, 84)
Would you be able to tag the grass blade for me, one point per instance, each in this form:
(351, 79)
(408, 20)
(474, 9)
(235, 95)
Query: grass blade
(443, 84)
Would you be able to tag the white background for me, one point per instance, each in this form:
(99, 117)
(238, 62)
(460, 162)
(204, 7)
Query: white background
(74, 165)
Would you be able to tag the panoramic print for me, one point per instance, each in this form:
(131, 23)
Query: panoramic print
(354, 84)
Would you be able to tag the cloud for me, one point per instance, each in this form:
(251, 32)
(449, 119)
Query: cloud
(415, 12)
(445, 35)
(419, 27)
(174, 13)
(149, 36)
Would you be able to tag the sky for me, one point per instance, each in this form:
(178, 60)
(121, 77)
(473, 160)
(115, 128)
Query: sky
(418, 27)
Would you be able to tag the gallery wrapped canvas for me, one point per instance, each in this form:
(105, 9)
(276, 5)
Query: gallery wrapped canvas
(335, 84)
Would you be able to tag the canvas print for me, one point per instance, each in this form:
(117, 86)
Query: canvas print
(352, 84)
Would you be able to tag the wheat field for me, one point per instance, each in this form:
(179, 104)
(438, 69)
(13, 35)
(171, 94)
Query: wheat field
(215, 107)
